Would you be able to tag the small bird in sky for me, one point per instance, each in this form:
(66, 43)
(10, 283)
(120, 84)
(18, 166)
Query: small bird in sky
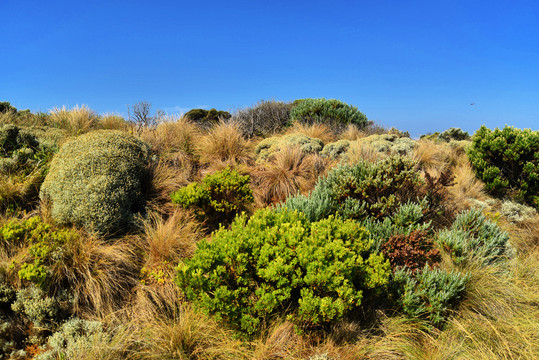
(472, 104)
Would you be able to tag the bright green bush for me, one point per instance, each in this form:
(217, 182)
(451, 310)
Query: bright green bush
(507, 161)
(278, 263)
(218, 198)
(98, 181)
(430, 294)
(472, 235)
(332, 112)
(271, 145)
(361, 190)
(44, 247)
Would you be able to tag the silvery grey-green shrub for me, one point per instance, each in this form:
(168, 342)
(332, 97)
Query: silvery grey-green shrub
(97, 181)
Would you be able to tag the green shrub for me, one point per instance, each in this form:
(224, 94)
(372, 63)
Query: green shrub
(335, 149)
(264, 118)
(516, 212)
(332, 112)
(207, 118)
(472, 235)
(72, 338)
(278, 263)
(454, 134)
(98, 181)
(391, 144)
(361, 190)
(218, 199)
(270, 146)
(37, 306)
(430, 294)
(507, 161)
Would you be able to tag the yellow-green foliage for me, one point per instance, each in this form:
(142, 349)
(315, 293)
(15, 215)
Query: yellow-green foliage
(390, 143)
(97, 181)
(335, 149)
(280, 263)
(271, 145)
(219, 197)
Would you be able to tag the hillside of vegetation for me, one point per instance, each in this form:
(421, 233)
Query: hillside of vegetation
(296, 230)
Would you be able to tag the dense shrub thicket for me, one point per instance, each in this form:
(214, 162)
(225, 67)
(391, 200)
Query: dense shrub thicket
(361, 190)
(332, 112)
(278, 263)
(218, 198)
(507, 160)
(97, 181)
(271, 145)
(207, 118)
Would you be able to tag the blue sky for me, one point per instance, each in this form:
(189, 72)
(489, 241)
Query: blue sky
(416, 65)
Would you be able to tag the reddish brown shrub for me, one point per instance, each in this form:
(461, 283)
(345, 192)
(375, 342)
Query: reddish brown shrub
(413, 251)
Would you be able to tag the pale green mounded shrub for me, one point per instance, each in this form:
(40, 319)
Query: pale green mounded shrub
(516, 212)
(335, 149)
(390, 144)
(472, 235)
(98, 181)
(271, 145)
(361, 190)
(73, 338)
(430, 293)
(279, 263)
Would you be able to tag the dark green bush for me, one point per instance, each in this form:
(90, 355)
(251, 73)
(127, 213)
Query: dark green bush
(454, 134)
(361, 190)
(472, 235)
(207, 118)
(429, 294)
(264, 118)
(98, 181)
(332, 112)
(507, 161)
(278, 263)
(218, 198)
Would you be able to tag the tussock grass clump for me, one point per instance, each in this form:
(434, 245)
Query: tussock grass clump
(97, 181)
(112, 122)
(288, 172)
(223, 142)
(320, 131)
(76, 121)
(172, 135)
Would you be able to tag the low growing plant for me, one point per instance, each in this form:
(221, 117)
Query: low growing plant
(334, 112)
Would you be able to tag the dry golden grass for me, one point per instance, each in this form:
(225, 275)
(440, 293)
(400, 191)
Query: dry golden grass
(99, 276)
(431, 155)
(76, 121)
(352, 133)
(317, 130)
(360, 151)
(224, 142)
(175, 134)
(465, 186)
(22, 192)
(169, 240)
(288, 172)
(187, 335)
(164, 178)
(113, 122)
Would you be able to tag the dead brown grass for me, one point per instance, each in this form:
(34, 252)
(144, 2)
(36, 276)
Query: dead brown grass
(360, 151)
(174, 134)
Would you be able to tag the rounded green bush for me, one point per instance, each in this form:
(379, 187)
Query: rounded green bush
(333, 112)
(507, 160)
(279, 263)
(97, 181)
(270, 146)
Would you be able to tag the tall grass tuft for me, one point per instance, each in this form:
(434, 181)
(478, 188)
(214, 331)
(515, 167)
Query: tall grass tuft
(224, 142)
(76, 121)
(320, 131)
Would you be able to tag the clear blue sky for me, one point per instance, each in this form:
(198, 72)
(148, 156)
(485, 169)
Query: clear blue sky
(416, 65)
